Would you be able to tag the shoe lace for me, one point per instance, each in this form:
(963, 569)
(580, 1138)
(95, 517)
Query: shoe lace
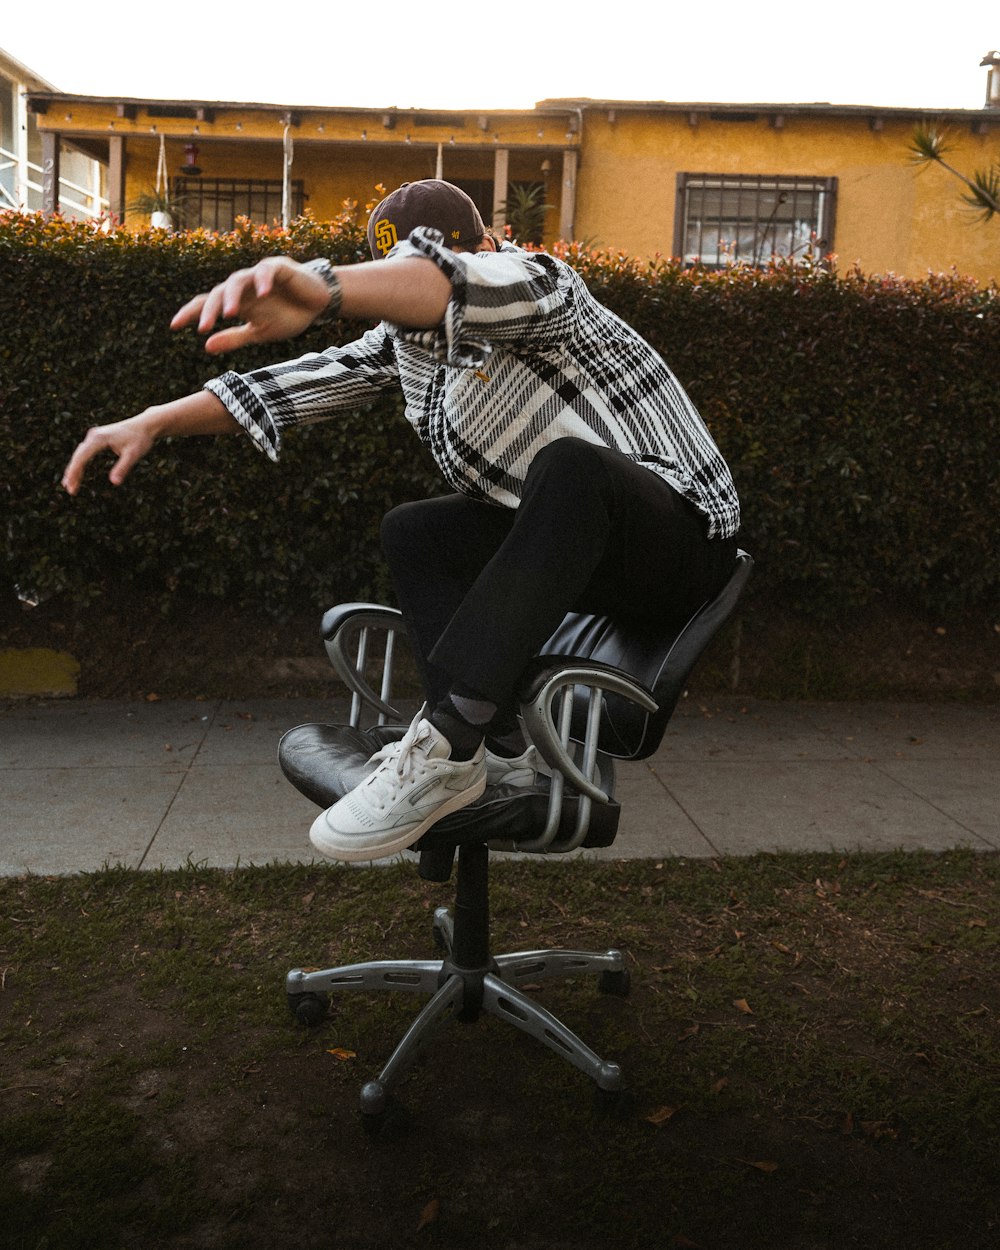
(397, 762)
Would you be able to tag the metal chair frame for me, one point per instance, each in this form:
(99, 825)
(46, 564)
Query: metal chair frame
(563, 707)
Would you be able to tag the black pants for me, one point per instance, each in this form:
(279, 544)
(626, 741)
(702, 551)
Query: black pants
(481, 587)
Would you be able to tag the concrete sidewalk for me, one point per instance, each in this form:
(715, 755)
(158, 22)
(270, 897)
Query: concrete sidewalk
(88, 784)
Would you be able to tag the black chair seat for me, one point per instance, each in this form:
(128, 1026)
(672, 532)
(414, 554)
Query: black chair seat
(324, 762)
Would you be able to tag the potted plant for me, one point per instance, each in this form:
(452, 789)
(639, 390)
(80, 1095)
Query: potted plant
(164, 209)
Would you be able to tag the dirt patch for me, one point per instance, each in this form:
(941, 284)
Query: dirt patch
(810, 1046)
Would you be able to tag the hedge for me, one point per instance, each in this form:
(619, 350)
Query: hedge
(88, 342)
(858, 414)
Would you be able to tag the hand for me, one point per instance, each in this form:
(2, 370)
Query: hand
(129, 440)
(276, 299)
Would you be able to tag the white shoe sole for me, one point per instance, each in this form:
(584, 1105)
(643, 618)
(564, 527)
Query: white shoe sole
(320, 837)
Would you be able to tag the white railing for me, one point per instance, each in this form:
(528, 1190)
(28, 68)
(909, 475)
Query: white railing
(74, 199)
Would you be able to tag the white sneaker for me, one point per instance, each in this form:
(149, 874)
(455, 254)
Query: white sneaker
(518, 772)
(414, 784)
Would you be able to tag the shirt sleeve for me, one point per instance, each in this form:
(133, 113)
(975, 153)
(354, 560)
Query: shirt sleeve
(509, 299)
(309, 389)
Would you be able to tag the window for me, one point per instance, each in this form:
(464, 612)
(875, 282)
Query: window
(215, 203)
(723, 219)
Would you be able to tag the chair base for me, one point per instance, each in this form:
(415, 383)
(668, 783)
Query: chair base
(466, 982)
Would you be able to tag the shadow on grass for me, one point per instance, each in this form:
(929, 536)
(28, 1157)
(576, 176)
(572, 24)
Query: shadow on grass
(811, 1047)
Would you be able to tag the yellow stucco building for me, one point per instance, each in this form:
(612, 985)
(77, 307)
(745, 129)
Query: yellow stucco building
(716, 181)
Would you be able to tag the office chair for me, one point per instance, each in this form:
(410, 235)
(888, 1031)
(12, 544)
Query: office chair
(596, 693)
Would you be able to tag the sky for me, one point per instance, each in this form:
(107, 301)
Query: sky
(390, 54)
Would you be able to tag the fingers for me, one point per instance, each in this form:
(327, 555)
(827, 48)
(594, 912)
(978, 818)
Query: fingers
(230, 339)
(73, 473)
(129, 448)
(224, 300)
(124, 465)
(232, 298)
(263, 299)
(238, 295)
(211, 310)
(85, 452)
(189, 313)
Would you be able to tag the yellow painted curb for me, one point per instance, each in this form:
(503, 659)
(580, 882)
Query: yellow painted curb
(37, 672)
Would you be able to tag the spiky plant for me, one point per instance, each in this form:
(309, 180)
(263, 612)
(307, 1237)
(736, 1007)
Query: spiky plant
(983, 188)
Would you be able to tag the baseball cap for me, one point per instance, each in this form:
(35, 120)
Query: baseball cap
(429, 202)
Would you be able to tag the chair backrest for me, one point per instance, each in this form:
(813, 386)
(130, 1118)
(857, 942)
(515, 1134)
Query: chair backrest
(661, 661)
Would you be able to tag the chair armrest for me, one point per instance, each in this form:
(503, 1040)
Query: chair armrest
(342, 614)
(557, 679)
(346, 631)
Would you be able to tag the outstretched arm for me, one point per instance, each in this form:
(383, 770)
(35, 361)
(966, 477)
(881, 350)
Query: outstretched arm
(279, 298)
(276, 299)
(131, 439)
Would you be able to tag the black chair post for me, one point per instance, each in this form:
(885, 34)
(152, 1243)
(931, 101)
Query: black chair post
(470, 948)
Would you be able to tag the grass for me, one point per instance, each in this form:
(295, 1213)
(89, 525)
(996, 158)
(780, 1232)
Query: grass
(811, 1045)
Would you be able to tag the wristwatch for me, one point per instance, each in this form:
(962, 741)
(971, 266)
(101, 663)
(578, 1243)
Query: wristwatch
(322, 267)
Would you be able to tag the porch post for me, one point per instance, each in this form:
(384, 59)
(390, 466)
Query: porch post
(50, 172)
(117, 163)
(287, 156)
(567, 211)
(501, 166)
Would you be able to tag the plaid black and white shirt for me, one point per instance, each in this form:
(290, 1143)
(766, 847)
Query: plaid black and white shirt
(524, 355)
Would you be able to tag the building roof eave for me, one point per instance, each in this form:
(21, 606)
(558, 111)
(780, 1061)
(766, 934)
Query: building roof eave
(816, 108)
(35, 82)
(42, 98)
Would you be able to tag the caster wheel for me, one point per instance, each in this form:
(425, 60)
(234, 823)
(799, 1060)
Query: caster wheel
(381, 1112)
(618, 983)
(308, 1009)
(374, 1100)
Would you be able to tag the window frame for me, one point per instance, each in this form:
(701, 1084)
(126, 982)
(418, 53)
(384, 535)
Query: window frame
(754, 185)
(272, 189)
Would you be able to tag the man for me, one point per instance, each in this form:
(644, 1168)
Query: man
(583, 476)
